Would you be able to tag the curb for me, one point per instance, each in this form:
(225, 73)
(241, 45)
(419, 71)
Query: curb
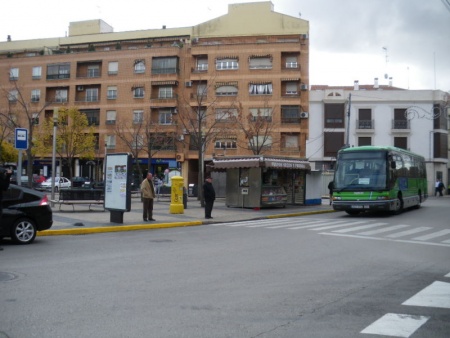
(120, 228)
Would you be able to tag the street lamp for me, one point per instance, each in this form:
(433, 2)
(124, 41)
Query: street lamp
(55, 124)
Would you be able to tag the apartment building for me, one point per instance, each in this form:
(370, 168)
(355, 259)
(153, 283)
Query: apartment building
(375, 114)
(250, 61)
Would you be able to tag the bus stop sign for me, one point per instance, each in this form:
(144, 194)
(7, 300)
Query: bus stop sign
(21, 138)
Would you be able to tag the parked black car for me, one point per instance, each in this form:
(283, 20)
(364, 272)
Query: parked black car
(78, 181)
(25, 211)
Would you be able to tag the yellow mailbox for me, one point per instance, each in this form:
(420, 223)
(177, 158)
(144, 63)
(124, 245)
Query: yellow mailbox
(176, 196)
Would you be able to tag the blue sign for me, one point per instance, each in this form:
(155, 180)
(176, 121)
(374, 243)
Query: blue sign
(21, 138)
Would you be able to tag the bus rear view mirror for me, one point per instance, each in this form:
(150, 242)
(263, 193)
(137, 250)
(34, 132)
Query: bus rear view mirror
(393, 166)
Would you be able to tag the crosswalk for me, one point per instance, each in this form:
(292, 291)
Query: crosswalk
(367, 229)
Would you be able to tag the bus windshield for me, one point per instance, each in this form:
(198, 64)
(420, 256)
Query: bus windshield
(361, 171)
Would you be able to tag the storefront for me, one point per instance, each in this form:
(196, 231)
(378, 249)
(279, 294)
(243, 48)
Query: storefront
(260, 181)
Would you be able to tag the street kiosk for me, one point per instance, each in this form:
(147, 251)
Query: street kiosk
(262, 181)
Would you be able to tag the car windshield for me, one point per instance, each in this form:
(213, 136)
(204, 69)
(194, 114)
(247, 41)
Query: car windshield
(49, 180)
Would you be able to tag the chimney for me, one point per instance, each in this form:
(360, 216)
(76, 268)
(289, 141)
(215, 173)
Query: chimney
(8, 38)
(356, 85)
(390, 82)
(375, 83)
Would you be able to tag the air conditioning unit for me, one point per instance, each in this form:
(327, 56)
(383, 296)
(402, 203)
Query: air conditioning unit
(181, 137)
(195, 41)
(179, 157)
(80, 88)
(304, 115)
(185, 131)
(303, 86)
(188, 84)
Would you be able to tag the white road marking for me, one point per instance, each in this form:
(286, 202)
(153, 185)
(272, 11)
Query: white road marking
(409, 232)
(447, 275)
(396, 325)
(338, 226)
(380, 231)
(435, 295)
(433, 235)
(362, 227)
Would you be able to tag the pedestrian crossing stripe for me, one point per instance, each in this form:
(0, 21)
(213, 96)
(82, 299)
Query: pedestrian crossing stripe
(396, 325)
(364, 229)
(435, 295)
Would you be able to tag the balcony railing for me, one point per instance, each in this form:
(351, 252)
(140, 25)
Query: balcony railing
(401, 124)
(364, 124)
(290, 120)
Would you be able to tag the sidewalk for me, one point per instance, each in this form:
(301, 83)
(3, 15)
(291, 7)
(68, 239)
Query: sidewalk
(83, 221)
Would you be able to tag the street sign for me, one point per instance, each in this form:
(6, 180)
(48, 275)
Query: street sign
(21, 138)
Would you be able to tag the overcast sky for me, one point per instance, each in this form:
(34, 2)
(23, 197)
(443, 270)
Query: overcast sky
(349, 39)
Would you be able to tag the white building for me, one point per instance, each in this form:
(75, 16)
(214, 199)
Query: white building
(417, 120)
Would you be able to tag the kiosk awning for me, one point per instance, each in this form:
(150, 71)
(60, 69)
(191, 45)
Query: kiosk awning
(265, 162)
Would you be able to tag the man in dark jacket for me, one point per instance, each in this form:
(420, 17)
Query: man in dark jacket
(209, 195)
(5, 177)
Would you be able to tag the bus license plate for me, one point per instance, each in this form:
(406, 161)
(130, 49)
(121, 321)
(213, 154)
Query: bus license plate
(357, 206)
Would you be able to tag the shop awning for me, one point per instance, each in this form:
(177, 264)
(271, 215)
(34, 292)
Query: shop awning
(261, 161)
(164, 83)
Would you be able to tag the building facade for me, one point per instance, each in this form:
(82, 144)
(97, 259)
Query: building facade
(171, 91)
(417, 120)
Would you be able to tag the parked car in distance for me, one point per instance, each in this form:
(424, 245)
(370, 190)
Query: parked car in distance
(79, 181)
(25, 211)
(94, 185)
(60, 183)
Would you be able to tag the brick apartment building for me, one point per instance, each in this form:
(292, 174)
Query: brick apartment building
(252, 60)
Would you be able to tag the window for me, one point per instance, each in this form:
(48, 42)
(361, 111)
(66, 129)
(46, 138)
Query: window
(92, 94)
(35, 95)
(227, 64)
(111, 117)
(165, 116)
(226, 90)
(165, 93)
(93, 116)
(61, 95)
(332, 143)
(14, 74)
(93, 71)
(440, 142)
(364, 141)
(35, 119)
(260, 62)
(110, 141)
(400, 119)
(202, 90)
(202, 64)
(334, 115)
(290, 141)
(261, 113)
(260, 89)
(401, 142)
(138, 116)
(225, 143)
(113, 68)
(291, 62)
(58, 71)
(138, 141)
(260, 142)
(138, 92)
(291, 88)
(139, 66)
(13, 95)
(365, 119)
(112, 93)
(166, 65)
(36, 73)
(226, 115)
(290, 114)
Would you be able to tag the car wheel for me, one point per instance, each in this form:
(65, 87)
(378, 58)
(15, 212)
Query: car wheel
(23, 231)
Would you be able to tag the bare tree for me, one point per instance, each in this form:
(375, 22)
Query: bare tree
(260, 131)
(23, 113)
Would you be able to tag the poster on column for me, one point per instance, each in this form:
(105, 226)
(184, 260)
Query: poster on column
(118, 182)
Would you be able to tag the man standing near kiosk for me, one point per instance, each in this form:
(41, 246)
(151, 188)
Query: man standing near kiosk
(148, 195)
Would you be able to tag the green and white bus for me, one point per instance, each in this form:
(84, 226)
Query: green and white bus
(378, 178)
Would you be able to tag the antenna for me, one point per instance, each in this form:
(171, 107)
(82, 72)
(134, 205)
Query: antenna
(387, 60)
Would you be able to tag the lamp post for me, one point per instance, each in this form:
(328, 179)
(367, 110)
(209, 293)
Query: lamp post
(55, 124)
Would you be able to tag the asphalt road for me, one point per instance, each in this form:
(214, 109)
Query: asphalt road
(327, 275)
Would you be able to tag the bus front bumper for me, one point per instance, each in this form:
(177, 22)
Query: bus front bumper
(382, 205)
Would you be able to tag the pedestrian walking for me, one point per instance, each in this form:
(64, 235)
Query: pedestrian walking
(439, 186)
(148, 195)
(209, 195)
(5, 178)
(330, 190)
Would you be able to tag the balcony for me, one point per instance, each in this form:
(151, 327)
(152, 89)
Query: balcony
(364, 124)
(401, 125)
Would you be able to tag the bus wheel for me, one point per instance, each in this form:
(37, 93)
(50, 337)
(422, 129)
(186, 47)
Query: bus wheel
(398, 205)
(352, 212)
